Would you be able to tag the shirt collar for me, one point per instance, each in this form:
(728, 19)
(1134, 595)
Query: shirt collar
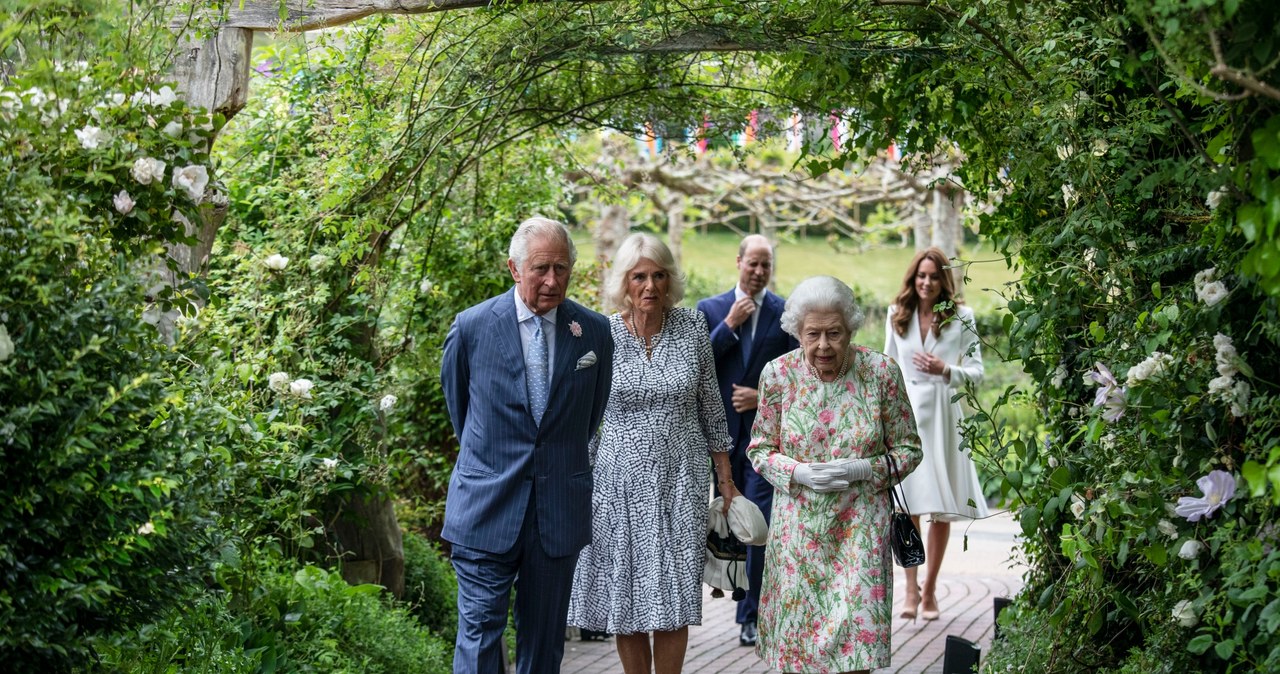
(524, 313)
(759, 297)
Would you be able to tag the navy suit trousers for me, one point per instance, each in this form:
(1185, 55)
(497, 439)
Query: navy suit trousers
(542, 587)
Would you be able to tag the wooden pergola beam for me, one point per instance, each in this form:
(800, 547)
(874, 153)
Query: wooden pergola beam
(303, 15)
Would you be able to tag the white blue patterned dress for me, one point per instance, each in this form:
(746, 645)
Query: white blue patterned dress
(643, 569)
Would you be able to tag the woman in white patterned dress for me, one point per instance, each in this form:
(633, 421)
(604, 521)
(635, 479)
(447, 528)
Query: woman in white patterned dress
(936, 340)
(642, 572)
(831, 415)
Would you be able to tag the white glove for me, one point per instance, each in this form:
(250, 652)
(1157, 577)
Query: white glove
(819, 477)
(846, 470)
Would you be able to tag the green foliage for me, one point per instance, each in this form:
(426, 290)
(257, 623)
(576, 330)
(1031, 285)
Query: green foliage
(310, 620)
(105, 516)
(430, 587)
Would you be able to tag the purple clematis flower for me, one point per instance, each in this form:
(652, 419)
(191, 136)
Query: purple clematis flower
(1218, 488)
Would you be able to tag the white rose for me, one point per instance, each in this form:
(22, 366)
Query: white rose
(318, 261)
(1069, 195)
(192, 180)
(6, 344)
(387, 403)
(301, 388)
(1212, 293)
(1191, 549)
(1059, 377)
(145, 170)
(1077, 507)
(1065, 152)
(123, 202)
(276, 262)
(1240, 402)
(1100, 147)
(173, 129)
(1215, 198)
(1185, 613)
(91, 137)
(147, 528)
(425, 286)
(277, 381)
(329, 464)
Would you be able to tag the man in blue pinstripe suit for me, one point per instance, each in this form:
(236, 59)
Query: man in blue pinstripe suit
(526, 375)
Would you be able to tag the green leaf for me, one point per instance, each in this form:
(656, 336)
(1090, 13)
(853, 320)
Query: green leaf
(1030, 520)
(1256, 475)
(1200, 644)
(1225, 648)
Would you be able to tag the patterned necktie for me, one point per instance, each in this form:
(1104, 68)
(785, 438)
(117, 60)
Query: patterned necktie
(536, 377)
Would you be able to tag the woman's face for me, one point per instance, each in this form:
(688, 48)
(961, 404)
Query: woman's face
(647, 286)
(928, 282)
(825, 340)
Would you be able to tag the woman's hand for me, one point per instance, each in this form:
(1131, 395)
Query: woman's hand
(728, 491)
(928, 363)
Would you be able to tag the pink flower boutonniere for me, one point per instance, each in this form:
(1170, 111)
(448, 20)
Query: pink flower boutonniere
(575, 329)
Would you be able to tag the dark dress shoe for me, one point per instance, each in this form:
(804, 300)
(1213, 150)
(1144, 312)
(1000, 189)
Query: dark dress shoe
(747, 637)
(592, 635)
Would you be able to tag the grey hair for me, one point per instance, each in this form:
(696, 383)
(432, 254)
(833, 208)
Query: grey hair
(821, 293)
(539, 228)
(633, 249)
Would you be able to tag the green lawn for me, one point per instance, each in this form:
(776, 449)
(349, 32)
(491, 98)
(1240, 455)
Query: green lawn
(709, 261)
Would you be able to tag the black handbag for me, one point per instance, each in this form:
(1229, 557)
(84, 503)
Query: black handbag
(904, 537)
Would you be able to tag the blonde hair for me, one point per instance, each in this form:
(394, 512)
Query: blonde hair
(634, 248)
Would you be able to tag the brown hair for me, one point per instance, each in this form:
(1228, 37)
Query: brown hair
(908, 301)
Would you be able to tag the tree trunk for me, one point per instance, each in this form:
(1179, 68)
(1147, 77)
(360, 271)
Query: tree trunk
(369, 541)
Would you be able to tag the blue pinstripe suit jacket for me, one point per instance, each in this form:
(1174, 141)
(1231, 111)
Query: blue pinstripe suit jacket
(503, 453)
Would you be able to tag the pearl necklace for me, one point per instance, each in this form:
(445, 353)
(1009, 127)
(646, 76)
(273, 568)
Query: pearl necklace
(652, 342)
(844, 367)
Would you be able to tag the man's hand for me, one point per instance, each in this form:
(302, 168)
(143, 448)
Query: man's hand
(745, 398)
(740, 312)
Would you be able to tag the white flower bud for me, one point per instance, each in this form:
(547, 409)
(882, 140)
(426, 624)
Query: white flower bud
(387, 403)
(1191, 549)
(276, 262)
(1185, 613)
(6, 344)
(123, 202)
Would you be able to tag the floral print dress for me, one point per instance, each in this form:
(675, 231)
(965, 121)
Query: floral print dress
(827, 597)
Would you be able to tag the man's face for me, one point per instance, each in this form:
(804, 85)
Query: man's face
(543, 279)
(755, 267)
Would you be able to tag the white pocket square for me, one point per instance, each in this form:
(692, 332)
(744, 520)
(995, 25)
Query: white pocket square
(586, 361)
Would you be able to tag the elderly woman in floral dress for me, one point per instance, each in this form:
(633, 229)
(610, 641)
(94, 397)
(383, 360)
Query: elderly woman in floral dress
(831, 416)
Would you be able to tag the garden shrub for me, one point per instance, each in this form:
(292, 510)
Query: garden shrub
(107, 498)
(309, 620)
(430, 586)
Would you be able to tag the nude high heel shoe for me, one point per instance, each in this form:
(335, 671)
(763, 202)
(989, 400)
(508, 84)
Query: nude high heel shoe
(929, 614)
(909, 608)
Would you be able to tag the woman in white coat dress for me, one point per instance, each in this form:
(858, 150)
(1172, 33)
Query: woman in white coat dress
(935, 341)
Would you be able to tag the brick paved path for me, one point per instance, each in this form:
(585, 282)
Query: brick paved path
(970, 581)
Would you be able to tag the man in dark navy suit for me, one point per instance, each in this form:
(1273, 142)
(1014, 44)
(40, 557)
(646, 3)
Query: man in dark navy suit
(526, 375)
(746, 334)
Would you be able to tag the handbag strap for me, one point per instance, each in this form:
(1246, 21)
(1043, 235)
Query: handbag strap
(899, 501)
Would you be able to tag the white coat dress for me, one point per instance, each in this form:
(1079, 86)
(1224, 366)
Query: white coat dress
(946, 481)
